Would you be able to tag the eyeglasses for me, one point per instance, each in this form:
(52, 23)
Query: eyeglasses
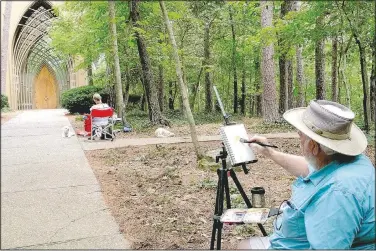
(278, 220)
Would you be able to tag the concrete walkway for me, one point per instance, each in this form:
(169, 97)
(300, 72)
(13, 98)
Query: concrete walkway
(50, 198)
(89, 145)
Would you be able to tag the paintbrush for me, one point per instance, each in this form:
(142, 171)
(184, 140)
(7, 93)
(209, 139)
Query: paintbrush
(255, 142)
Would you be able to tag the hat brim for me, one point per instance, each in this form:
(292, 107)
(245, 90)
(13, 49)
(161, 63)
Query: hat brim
(353, 146)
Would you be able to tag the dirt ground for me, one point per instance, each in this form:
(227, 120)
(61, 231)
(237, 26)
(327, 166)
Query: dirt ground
(161, 199)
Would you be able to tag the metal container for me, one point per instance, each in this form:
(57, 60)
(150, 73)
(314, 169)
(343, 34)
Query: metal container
(258, 197)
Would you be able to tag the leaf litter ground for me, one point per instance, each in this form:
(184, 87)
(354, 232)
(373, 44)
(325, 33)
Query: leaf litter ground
(161, 199)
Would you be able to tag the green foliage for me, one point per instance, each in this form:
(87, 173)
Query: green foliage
(81, 30)
(80, 99)
(4, 101)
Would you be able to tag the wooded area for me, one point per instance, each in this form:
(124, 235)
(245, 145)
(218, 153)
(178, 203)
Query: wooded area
(264, 57)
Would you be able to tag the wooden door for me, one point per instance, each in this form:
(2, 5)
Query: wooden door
(45, 90)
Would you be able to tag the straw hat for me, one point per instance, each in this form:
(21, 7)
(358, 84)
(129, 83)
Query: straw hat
(330, 124)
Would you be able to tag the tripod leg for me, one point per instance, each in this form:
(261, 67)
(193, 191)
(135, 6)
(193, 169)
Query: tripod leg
(262, 229)
(227, 192)
(223, 180)
(215, 222)
(245, 198)
(240, 188)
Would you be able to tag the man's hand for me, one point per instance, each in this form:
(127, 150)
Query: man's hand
(296, 165)
(266, 151)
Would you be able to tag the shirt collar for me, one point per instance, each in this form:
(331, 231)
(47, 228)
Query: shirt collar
(316, 176)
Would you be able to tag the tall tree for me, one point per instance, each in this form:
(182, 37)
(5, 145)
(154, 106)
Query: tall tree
(334, 69)
(155, 114)
(299, 68)
(299, 76)
(160, 86)
(161, 97)
(207, 12)
(207, 62)
(269, 97)
(363, 65)
(118, 85)
(373, 76)
(242, 102)
(290, 84)
(320, 61)
(195, 88)
(182, 85)
(285, 65)
(231, 11)
(258, 96)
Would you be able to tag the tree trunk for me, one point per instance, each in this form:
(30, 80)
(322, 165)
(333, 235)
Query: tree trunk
(320, 63)
(291, 5)
(118, 86)
(208, 84)
(156, 116)
(373, 92)
(234, 60)
(283, 99)
(127, 85)
(334, 69)
(283, 92)
(242, 103)
(284, 73)
(373, 86)
(161, 87)
(183, 87)
(299, 76)
(373, 78)
(345, 84)
(251, 105)
(290, 84)
(366, 99)
(195, 89)
(257, 101)
(144, 100)
(269, 97)
(341, 68)
(170, 96)
(126, 92)
(299, 68)
(90, 74)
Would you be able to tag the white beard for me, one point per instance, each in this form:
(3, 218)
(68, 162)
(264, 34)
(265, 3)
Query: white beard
(308, 156)
(311, 161)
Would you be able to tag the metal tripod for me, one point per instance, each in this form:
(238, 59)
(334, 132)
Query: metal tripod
(223, 189)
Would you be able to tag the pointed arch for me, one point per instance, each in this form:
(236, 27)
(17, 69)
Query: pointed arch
(32, 52)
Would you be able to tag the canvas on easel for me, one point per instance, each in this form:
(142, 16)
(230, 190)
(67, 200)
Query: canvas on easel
(239, 152)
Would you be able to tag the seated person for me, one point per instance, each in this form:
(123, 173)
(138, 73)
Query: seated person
(333, 197)
(99, 105)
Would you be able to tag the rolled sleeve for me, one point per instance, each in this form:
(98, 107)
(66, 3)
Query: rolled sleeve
(332, 220)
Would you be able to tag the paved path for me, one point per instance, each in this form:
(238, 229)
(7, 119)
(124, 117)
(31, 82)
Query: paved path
(123, 142)
(50, 198)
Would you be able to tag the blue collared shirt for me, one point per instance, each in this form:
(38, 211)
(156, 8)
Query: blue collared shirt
(333, 208)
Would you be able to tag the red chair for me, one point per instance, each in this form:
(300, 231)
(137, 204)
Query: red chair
(106, 124)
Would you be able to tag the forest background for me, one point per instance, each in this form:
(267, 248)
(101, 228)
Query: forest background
(264, 57)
